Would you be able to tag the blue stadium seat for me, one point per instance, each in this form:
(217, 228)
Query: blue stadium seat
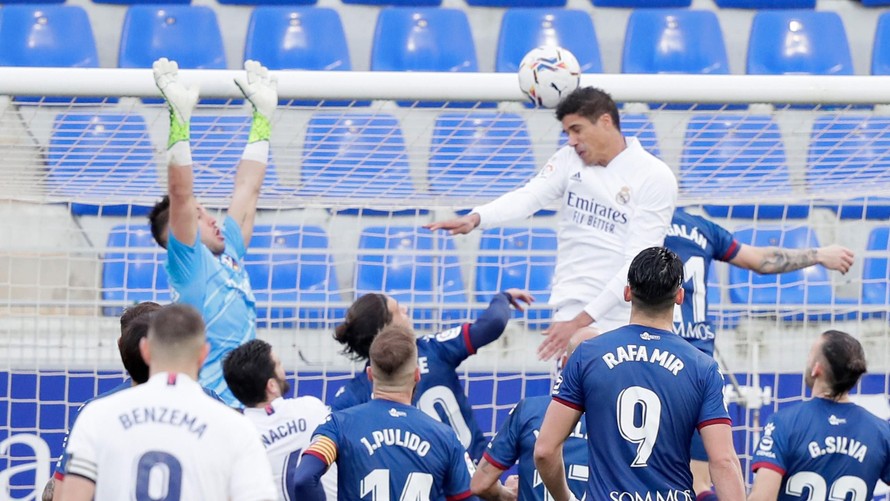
(133, 269)
(809, 286)
(217, 144)
(880, 55)
(674, 41)
(479, 154)
(47, 35)
(293, 265)
(798, 42)
(875, 269)
(523, 258)
(423, 39)
(297, 38)
(151, 32)
(350, 155)
(736, 156)
(524, 29)
(766, 4)
(875, 3)
(642, 4)
(850, 155)
(417, 268)
(96, 157)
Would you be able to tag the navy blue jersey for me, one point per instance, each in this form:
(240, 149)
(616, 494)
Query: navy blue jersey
(516, 439)
(645, 391)
(439, 392)
(388, 450)
(823, 447)
(698, 242)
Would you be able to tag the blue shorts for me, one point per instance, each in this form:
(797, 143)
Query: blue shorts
(697, 449)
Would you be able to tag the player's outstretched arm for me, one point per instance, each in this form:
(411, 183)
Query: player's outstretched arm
(456, 226)
(726, 473)
(486, 483)
(261, 90)
(559, 421)
(181, 101)
(307, 479)
(492, 322)
(772, 260)
(766, 486)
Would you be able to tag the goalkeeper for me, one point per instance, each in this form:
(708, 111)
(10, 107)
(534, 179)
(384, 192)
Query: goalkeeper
(205, 256)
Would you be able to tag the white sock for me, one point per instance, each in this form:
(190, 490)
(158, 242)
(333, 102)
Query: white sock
(179, 154)
(257, 151)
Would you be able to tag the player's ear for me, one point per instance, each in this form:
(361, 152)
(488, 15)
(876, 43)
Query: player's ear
(681, 294)
(417, 374)
(144, 351)
(627, 294)
(272, 387)
(205, 350)
(370, 376)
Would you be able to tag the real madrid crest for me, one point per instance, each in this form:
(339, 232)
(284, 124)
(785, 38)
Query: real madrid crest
(623, 196)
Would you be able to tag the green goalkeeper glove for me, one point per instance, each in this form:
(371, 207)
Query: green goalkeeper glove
(261, 89)
(181, 100)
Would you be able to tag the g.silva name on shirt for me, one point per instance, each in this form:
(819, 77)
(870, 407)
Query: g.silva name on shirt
(640, 353)
(838, 445)
(394, 437)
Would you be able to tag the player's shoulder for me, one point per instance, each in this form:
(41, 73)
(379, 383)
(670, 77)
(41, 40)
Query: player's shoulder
(304, 405)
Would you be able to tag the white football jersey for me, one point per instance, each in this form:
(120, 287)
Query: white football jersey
(166, 439)
(286, 427)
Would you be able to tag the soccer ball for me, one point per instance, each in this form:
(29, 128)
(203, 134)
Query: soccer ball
(548, 74)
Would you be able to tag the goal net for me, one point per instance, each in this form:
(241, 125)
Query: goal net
(359, 163)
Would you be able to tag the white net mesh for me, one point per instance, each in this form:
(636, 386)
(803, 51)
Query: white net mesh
(348, 190)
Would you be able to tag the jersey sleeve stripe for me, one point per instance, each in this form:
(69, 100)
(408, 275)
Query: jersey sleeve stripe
(459, 497)
(58, 475)
(83, 468)
(573, 405)
(731, 251)
(494, 462)
(709, 422)
(465, 332)
(324, 449)
(769, 466)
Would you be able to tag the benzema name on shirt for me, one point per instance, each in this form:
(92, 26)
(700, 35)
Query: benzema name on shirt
(636, 353)
(162, 415)
(395, 437)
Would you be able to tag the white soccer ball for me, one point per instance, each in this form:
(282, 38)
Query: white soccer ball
(547, 74)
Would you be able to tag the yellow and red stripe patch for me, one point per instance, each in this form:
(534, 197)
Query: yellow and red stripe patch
(323, 448)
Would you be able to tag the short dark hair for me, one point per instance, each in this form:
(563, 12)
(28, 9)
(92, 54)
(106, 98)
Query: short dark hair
(392, 349)
(158, 219)
(589, 102)
(247, 369)
(128, 345)
(364, 319)
(654, 277)
(845, 359)
(137, 310)
(175, 325)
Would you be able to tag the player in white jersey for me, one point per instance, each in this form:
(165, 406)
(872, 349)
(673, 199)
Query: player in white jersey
(255, 375)
(617, 199)
(166, 439)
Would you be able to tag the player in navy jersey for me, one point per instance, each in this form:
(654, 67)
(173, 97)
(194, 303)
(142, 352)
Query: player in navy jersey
(698, 242)
(644, 389)
(828, 447)
(439, 392)
(386, 448)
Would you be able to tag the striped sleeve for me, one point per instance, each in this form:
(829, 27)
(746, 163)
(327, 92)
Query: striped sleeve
(324, 449)
(81, 450)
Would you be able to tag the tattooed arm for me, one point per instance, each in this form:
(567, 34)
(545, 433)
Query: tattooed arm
(772, 260)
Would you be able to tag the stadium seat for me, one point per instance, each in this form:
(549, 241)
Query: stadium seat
(524, 29)
(423, 39)
(798, 42)
(102, 158)
(47, 35)
(292, 265)
(766, 4)
(727, 157)
(354, 156)
(151, 32)
(674, 41)
(479, 154)
(133, 269)
(523, 258)
(880, 55)
(642, 4)
(297, 38)
(217, 144)
(875, 3)
(875, 269)
(417, 268)
(809, 286)
(850, 155)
